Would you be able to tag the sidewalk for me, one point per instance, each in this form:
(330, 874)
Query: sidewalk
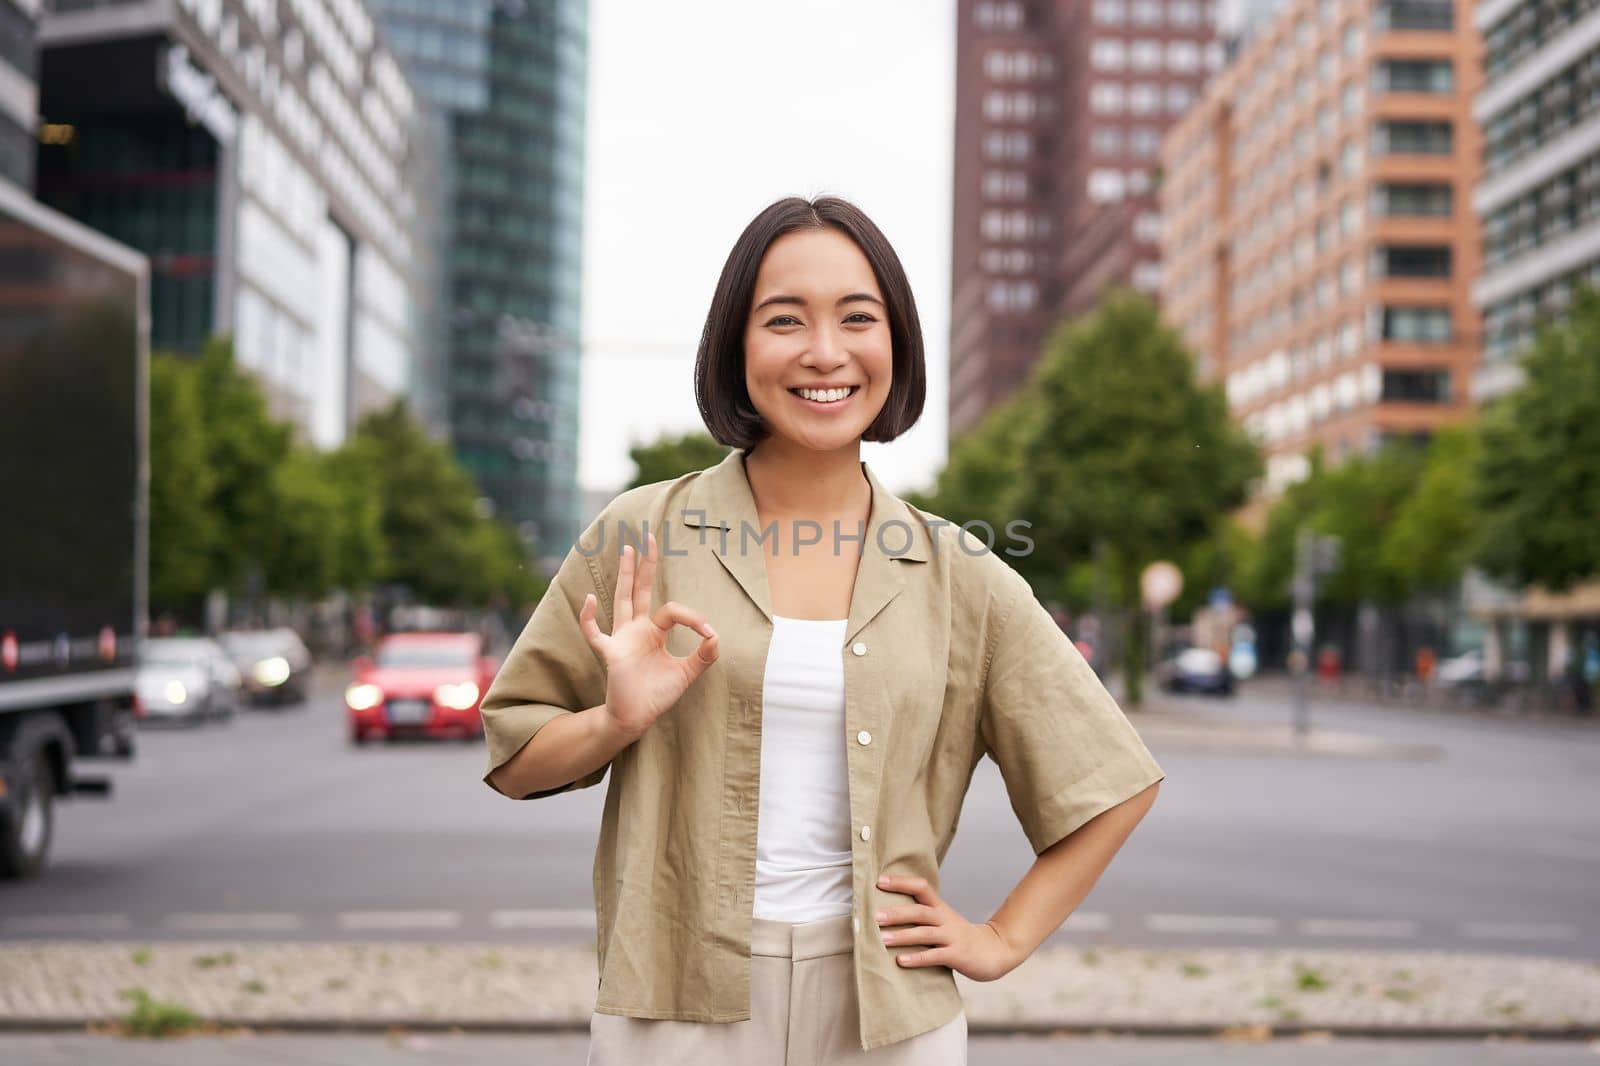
(325, 986)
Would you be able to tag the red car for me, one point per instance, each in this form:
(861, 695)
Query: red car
(420, 684)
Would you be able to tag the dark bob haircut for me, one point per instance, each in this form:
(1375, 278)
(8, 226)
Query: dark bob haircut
(719, 386)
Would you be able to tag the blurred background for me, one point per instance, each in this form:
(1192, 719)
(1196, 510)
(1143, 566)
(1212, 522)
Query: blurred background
(325, 326)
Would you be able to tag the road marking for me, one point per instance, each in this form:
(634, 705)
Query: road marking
(574, 918)
(68, 923)
(399, 919)
(1519, 930)
(1210, 923)
(234, 923)
(1397, 929)
(1088, 922)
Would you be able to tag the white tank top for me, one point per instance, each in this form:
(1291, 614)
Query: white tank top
(803, 831)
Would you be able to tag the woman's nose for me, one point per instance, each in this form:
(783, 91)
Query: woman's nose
(827, 348)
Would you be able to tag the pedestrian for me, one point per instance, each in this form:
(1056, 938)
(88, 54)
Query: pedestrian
(790, 674)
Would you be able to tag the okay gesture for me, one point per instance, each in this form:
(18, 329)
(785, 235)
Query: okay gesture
(978, 952)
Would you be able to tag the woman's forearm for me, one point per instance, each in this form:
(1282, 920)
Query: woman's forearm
(1063, 874)
(563, 750)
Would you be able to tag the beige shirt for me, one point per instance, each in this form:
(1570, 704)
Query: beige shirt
(947, 657)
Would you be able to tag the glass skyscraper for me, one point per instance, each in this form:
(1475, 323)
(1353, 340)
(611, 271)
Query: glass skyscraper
(507, 78)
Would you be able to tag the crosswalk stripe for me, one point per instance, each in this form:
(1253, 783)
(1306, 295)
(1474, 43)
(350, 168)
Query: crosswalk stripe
(231, 923)
(574, 918)
(1518, 930)
(419, 919)
(67, 923)
(1398, 929)
(1210, 923)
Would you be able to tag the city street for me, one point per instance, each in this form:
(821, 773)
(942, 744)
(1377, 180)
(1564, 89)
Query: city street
(1481, 839)
(570, 1050)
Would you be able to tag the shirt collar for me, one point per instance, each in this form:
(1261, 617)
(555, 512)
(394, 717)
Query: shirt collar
(720, 497)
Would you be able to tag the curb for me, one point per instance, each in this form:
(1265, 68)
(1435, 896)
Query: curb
(1110, 1028)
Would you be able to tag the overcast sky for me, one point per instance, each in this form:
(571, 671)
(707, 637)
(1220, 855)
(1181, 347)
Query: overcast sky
(698, 122)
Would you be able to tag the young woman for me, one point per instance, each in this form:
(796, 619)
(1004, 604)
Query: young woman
(791, 675)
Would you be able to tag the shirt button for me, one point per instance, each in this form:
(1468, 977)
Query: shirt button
(855, 924)
(866, 832)
(864, 737)
(859, 647)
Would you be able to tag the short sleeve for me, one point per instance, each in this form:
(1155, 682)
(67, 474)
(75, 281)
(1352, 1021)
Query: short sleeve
(1065, 749)
(550, 671)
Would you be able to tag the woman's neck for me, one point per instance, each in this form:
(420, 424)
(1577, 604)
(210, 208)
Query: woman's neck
(790, 482)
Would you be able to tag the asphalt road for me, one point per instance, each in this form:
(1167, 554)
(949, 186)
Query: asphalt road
(571, 1050)
(274, 827)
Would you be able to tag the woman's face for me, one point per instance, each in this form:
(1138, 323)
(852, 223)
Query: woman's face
(817, 322)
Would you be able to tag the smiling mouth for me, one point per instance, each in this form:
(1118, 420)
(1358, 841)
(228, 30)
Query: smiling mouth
(826, 396)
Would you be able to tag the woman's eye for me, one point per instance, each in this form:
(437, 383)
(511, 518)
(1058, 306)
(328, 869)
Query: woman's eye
(860, 316)
(784, 320)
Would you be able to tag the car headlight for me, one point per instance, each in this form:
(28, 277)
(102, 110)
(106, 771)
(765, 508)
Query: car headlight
(271, 672)
(175, 692)
(363, 697)
(457, 697)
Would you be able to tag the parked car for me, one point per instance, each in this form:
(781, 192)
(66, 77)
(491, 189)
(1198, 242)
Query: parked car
(1195, 670)
(420, 684)
(274, 663)
(187, 678)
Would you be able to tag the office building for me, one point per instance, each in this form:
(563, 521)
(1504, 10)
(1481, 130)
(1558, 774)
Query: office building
(265, 155)
(19, 89)
(1318, 237)
(1060, 110)
(508, 78)
(1539, 197)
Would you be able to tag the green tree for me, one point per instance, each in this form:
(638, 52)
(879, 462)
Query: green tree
(183, 525)
(670, 457)
(428, 505)
(979, 478)
(1125, 449)
(1435, 531)
(303, 557)
(244, 446)
(1358, 502)
(1539, 470)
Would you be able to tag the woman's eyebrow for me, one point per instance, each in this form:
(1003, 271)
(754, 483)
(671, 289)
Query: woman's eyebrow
(799, 301)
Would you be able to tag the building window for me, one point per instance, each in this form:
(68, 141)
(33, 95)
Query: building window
(1106, 141)
(1402, 137)
(1147, 226)
(1110, 12)
(1105, 98)
(1412, 260)
(1179, 97)
(1106, 186)
(1350, 99)
(1413, 76)
(1414, 15)
(1147, 277)
(1146, 12)
(1144, 143)
(1183, 56)
(1407, 199)
(1107, 55)
(1144, 98)
(1184, 13)
(1423, 325)
(1416, 386)
(1145, 55)
(1352, 39)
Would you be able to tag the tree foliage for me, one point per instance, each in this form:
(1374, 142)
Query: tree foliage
(1539, 468)
(670, 457)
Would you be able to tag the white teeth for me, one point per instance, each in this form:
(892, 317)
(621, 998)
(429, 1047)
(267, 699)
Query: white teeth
(824, 395)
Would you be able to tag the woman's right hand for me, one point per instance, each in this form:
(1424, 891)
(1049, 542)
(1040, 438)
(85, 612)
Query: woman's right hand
(643, 679)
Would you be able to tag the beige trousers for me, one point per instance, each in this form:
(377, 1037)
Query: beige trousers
(803, 1012)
